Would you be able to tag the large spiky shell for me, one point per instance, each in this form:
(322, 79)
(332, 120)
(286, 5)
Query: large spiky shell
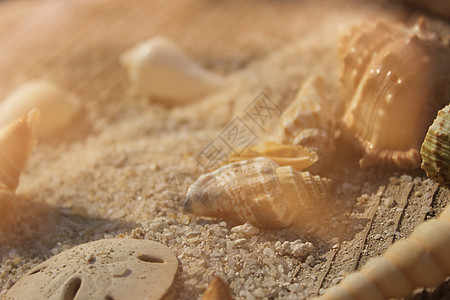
(258, 191)
(16, 142)
(395, 95)
(308, 122)
(435, 149)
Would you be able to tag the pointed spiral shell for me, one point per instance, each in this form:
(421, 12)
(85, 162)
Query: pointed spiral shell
(393, 83)
(423, 260)
(257, 191)
(435, 149)
(309, 123)
(16, 142)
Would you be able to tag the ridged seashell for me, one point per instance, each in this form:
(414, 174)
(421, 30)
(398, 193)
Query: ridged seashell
(16, 142)
(308, 122)
(435, 149)
(159, 68)
(297, 157)
(257, 191)
(423, 260)
(57, 106)
(396, 82)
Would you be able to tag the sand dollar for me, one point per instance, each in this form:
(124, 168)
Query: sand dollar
(105, 269)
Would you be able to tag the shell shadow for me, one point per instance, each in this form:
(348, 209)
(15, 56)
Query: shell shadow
(39, 227)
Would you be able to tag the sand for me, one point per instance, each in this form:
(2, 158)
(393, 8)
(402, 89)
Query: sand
(112, 173)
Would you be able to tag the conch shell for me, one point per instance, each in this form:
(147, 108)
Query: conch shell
(435, 149)
(423, 260)
(308, 121)
(159, 68)
(57, 106)
(16, 142)
(257, 191)
(393, 84)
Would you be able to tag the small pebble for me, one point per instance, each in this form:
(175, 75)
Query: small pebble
(394, 180)
(377, 236)
(425, 209)
(310, 261)
(245, 229)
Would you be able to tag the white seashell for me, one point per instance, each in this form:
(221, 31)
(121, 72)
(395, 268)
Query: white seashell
(309, 123)
(57, 106)
(257, 191)
(159, 68)
(423, 260)
(16, 142)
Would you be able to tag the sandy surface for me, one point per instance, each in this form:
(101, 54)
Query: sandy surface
(111, 173)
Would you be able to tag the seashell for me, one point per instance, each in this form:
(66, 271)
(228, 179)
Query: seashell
(57, 106)
(423, 260)
(217, 290)
(394, 89)
(308, 122)
(257, 191)
(159, 68)
(104, 269)
(16, 142)
(297, 157)
(435, 149)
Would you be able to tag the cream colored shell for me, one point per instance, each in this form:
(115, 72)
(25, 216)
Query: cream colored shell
(16, 142)
(423, 260)
(159, 68)
(393, 83)
(257, 191)
(58, 107)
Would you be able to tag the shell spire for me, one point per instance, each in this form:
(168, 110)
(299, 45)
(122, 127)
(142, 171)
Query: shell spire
(17, 139)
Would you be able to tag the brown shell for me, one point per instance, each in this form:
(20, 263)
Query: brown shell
(394, 92)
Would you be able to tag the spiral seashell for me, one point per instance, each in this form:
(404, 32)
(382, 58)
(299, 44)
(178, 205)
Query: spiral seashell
(435, 149)
(159, 68)
(423, 260)
(257, 191)
(393, 82)
(16, 142)
(57, 106)
(308, 122)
